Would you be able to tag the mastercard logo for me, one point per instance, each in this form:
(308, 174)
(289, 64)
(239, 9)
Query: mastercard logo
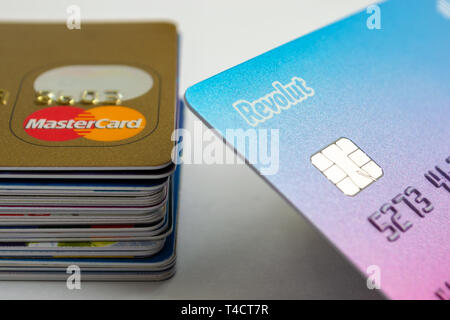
(106, 123)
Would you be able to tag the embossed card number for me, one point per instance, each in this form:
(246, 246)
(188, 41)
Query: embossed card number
(394, 221)
(87, 97)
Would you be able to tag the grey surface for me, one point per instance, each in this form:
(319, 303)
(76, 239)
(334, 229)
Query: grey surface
(238, 238)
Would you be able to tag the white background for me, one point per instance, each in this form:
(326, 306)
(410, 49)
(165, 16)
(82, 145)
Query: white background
(237, 237)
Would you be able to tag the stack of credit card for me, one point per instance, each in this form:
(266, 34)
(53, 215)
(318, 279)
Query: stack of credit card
(86, 174)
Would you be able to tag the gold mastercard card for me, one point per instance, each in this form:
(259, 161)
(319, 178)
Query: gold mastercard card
(103, 96)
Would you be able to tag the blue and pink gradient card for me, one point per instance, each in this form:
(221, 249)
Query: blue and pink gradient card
(361, 122)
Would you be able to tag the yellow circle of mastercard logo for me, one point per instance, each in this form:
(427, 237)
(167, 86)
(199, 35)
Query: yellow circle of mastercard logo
(106, 123)
(112, 123)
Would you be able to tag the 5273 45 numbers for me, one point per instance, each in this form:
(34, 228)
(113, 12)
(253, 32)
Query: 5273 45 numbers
(390, 219)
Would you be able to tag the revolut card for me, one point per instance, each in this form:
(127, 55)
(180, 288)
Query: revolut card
(358, 113)
(102, 96)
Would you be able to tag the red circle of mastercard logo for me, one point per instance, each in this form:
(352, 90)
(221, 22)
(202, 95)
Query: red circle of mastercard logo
(106, 123)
